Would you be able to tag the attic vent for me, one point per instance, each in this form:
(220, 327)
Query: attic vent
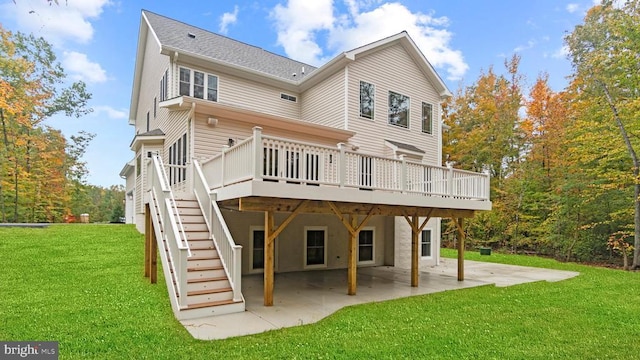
(191, 35)
(288, 97)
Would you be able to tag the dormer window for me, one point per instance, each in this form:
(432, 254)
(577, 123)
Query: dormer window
(198, 84)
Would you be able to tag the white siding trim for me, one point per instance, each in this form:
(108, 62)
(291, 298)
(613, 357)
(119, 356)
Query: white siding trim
(346, 97)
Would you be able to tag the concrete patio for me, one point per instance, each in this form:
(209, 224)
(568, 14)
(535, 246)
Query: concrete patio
(306, 297)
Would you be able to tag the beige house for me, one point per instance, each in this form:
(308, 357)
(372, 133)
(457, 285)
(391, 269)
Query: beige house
(249, 162)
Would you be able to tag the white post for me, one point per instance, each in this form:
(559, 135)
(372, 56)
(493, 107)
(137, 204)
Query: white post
(342, 165)
(403, 174)
(182, 277)
(487, 184)
(222, 161)
(237, 273)
(257, 153)
(450, 179)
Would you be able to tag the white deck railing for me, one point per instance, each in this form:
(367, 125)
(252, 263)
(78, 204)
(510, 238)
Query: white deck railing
(279, 159)
(230, 253)
(163, 202)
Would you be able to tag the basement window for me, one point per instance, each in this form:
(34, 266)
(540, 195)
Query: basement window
(288, 97)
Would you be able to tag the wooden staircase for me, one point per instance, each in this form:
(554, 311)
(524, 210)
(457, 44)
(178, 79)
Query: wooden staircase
(209, 291)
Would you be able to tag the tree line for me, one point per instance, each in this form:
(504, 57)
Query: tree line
(42, 175)
(564, 165)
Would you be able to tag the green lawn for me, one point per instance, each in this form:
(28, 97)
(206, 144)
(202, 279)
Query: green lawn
(82, 285)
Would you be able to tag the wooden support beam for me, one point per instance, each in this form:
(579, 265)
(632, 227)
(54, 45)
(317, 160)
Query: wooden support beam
(322, 207)
(351, 273)
(269, 224)
(415, 244)
(147, 240)
(153, 257)
(461, 238)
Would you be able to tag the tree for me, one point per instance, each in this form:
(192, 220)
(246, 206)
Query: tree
(31, 90)
(604, 53)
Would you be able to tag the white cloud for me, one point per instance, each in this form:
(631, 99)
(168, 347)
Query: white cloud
(297, 25)
(572, 8)
(530, 44)
(56, 23)
(81, 68)
(228, 19)
(110, 112)
(300, 23)
(561, 53)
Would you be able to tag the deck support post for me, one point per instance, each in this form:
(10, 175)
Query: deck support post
(147, 241)
(415, 244)
(352, 281)
(269, 224)
(416, 230)
(461, 237)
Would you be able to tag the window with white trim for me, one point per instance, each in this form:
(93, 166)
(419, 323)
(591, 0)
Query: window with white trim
(288, 97)
(194, 83)
(399, 109)
(367, 99)
(366, 246)
(315, 247)
(425, 243)
(164, 86)
(427, 118)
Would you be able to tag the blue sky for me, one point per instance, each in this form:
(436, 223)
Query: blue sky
(95, 41)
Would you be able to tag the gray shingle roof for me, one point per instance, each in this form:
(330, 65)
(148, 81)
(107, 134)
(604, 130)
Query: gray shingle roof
(404, 146)
(175, 35)
(154, 132)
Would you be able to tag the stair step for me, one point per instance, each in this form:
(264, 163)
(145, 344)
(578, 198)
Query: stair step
(202, 264)
(187, 204)
(195, 227)
(204, 253)
(209, 297)
(201, 244)
(209, 291)
(206, 273)
(221, 283)
(189, 211)
(192, 219)
(210, 304)
(197, 235)
(204, 279)
(205, 268)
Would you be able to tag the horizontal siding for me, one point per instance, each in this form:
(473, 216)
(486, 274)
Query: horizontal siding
(209, 140)
(173, 128)
(247, 94)
(153, 69)
(392, 69)
(324, 103)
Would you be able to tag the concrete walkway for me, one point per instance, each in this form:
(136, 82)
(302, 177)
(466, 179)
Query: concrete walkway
(306, 297)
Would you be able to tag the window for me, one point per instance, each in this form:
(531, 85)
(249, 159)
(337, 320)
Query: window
(365, 246)
(288, 97)
(178, 160)
(427, 118)
(138, 165)
(185, 81)
(315, 247)
(212, 88)
(367, 97)
(257, 249)
(198, 84)
(164, 86)
(398, 109)
(148, 123)
(155, 107)
(425, 243)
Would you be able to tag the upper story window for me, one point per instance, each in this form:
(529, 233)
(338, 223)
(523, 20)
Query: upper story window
(198, 84)
(398, 109)
(367, 98)
(164, 86)
(427, 118)
(288, 97)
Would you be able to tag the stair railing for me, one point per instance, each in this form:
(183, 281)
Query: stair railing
(172, 229)
(230, 253)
